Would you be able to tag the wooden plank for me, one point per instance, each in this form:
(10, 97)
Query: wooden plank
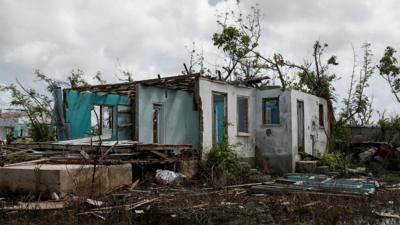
(159, 154)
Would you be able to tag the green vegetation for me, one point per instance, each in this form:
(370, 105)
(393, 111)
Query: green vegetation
(334, 160)
(223, 165)
(16, 157)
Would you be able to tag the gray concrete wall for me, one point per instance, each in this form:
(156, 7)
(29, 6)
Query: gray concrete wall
(278, 143)
(63, 179)
(275, 140)
(246, 140)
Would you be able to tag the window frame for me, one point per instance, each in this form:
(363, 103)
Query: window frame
(321, 118)
(264, 118)
(247, 132)
(100, 122)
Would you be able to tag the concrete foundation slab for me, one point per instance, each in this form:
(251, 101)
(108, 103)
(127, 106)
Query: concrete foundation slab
(44, 179)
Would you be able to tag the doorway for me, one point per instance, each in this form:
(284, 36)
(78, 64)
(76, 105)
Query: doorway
(157, 124)
(300, 125)
(219, 118)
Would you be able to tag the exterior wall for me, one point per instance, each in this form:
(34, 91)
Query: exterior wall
(79, 106)
(3, 133)
(365, 133)
(247, 141)
(20, 126)
(279, 143)
(315, 137)
(275, 141)
(180, 119)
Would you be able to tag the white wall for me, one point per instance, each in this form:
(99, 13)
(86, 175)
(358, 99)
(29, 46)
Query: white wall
(277, 143)
(206, 89)
(312, 131)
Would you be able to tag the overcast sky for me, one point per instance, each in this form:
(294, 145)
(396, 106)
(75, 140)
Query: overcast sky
(149, 37)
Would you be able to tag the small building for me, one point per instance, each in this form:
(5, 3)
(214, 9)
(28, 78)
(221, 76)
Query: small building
(13, 122)
(202, 111)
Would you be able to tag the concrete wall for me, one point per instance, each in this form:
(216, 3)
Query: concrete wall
(275, 141)
(247, 141)
(180, 120)
(279, 143)
(79, 106)
(315, 137)
(20, 126)
(44, 179)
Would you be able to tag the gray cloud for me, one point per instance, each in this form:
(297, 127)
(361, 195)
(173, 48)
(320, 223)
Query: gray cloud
(149, 37)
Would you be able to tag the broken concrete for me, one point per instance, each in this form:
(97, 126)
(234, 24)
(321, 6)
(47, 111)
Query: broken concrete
(44, 179)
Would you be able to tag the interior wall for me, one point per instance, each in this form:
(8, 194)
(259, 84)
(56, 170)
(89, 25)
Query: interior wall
(246, 142)
(79, 106)
(180, 118)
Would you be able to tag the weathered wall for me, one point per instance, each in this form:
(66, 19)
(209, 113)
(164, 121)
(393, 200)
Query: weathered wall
(63, 179)
(247, 141)
(279, 143)
(315, 137)
(79, 106)
(180, 120)
(20, 126)
(275, 140)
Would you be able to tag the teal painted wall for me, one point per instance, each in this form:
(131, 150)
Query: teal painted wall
(78, 111)
(180, 121)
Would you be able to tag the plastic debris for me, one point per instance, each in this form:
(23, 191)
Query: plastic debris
(169, 177)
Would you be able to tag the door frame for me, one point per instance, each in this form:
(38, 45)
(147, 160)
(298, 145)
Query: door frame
(300, 126)
(214, 133)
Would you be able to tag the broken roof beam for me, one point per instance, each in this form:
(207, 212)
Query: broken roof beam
(178, 81)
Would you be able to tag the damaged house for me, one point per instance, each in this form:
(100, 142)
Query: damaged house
(14, 123)
(201, 111)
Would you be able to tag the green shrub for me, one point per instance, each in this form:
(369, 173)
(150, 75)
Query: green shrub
(334, 160)
(223, 166)
(16, 157)
(42, 132)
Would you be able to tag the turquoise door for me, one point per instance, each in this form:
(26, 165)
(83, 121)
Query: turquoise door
(219, 118)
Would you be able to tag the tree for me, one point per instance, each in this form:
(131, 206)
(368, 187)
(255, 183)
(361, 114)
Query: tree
(358, 106)
(390, 71)
(196, 61)
(238, 39)
(38, 106)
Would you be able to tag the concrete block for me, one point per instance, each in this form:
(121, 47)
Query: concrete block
(306, 166)
(63, 179)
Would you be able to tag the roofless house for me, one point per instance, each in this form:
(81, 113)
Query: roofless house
(198, 112)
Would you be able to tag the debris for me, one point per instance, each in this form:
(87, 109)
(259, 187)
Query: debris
(168, 177)
(94, 202)
(45, 205)
(367, 155)
(55, 196)
(387, 215)
(84, 155)
(98, 216)
(317, 184)
(139, 211)
(134, 184)
(311, 204)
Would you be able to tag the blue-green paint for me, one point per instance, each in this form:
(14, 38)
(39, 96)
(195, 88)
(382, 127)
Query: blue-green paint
(219, 108)
(79, 106)
(179, 121)
(320, 181)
